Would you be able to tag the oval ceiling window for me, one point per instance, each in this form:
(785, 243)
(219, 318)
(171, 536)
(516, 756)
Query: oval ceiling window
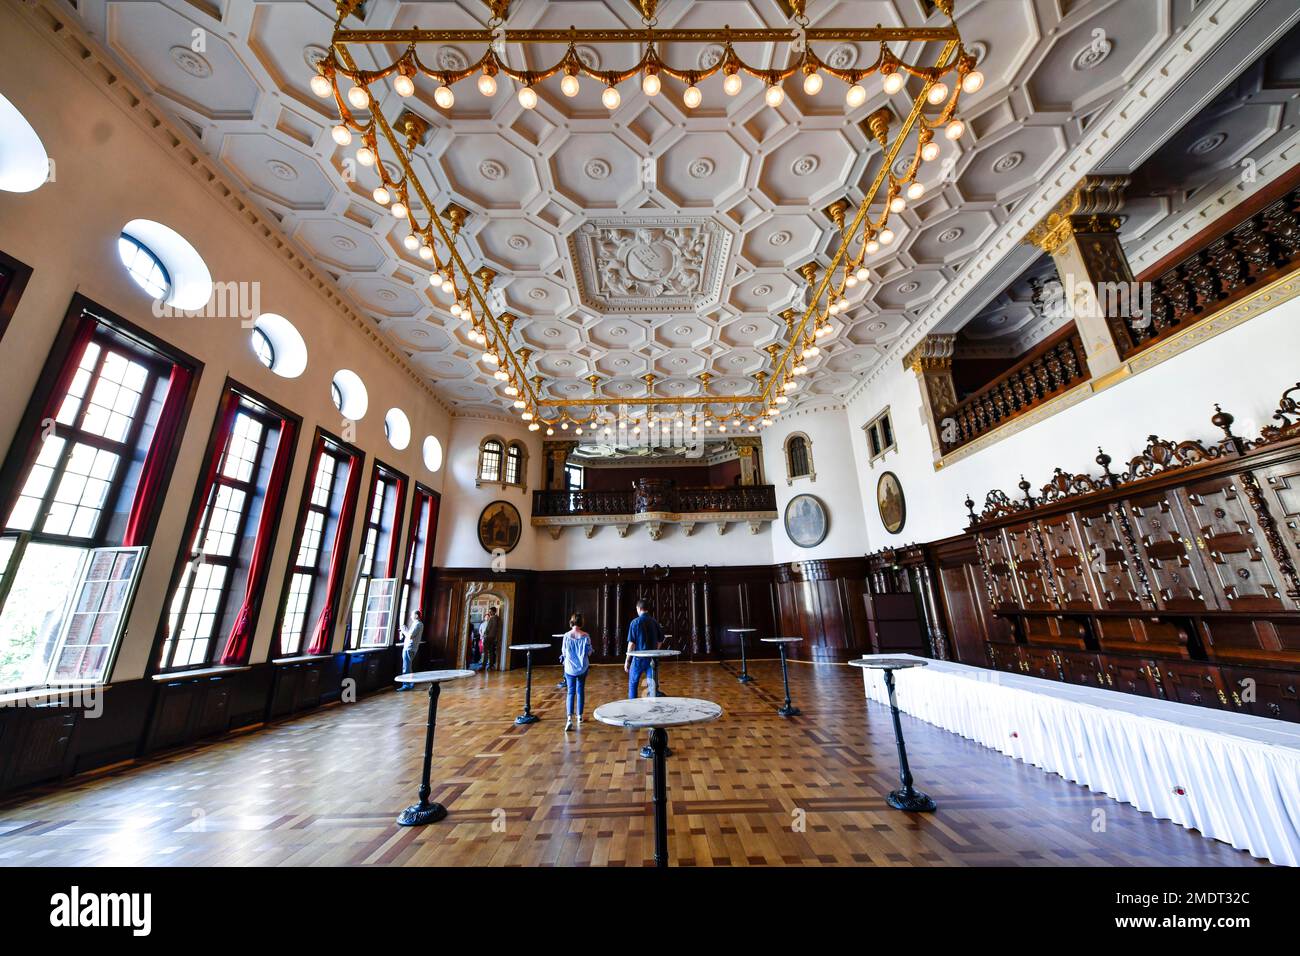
(432, 453)
(160, 258)
(24, 164)
(349, 394)
(397, 427)
(279, 346)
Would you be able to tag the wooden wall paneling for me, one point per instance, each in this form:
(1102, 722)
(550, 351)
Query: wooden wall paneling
(1167, 545)
(1191, 682)
(1001, 581)
(1029, 568)
(1130, 675)
(1280, 484)
(1067, 562)
(1263, 692)
(1239, 562)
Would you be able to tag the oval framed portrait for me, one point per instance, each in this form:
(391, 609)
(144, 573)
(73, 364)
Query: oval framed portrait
(499, 527)
(806, 521)
(890, 503)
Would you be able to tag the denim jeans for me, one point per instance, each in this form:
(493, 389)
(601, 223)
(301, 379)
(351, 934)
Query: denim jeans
(408, 660)
(577, 684)
(640, 668)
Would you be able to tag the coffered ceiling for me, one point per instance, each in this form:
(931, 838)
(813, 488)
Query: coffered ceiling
(650, 239)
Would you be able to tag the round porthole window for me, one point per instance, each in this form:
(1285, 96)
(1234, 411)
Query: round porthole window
(24, 164)
(163, 263)
(278, 345)
(349, 394)
(432, 453)
(397, 428)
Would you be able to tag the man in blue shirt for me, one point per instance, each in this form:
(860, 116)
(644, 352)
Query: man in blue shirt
(643, 634)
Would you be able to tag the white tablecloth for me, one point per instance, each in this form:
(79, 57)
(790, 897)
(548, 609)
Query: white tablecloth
(1233, 776)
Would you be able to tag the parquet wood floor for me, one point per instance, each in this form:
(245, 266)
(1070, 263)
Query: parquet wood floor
(750, 789)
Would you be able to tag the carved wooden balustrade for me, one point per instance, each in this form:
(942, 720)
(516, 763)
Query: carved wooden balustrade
(1249, 255)
(742, 499)
(1057, 364)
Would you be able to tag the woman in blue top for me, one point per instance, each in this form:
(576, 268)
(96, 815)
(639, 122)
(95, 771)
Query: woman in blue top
(575, 654)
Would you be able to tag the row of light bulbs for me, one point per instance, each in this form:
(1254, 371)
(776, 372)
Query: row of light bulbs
(891, 82)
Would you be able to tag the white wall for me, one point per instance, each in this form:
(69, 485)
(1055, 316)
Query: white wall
(109, 171)
(1245, 370)
(835, 461)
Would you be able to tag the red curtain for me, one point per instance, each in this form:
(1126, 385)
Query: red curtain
(240, 641)
(81, 337)
(154, 474)
(320, 640)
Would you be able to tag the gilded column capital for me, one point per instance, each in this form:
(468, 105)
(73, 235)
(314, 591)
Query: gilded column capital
(1089, 207)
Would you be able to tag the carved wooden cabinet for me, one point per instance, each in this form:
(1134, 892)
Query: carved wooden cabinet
(1167, 547)
(1068, 563)
(996, 559)
(1239, 569)
(1033, 579)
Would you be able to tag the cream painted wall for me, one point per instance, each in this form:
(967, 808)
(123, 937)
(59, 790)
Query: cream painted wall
(1245, 369)
(109, 171)
(836, 466)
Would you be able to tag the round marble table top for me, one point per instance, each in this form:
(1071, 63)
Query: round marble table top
(658, 712)
(530, 647)
(657, 652)
(887, 663)
(781, 640)
(743, 630)
(431, 677)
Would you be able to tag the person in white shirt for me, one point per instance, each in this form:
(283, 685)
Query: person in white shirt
(411, 635)
(575, 654)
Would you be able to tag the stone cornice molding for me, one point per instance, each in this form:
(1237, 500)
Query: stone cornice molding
(1214, 22)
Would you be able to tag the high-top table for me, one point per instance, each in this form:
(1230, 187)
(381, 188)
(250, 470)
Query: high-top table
(787, 709)
(908, 798)
(658, 714)
(653, 657)
(744, 633)
(424, 812)
(528, 717)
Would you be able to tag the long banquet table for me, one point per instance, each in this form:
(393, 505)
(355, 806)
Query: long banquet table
(1232, 776)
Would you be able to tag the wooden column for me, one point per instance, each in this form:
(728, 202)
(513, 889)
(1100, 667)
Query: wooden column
(931, 360)
(1081, 234)
(750, 456)
(556, 456)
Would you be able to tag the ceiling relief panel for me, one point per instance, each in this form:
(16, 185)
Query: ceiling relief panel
(650, 264)
(654, 238)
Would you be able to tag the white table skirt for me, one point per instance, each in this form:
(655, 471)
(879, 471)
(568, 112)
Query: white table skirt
(1233, 776)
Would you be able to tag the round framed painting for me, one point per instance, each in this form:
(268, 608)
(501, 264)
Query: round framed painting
(499, 527)
(806, 521)
(891, 503)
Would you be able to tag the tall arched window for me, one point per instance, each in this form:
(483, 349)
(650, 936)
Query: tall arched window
(489, 460)
(514, 464)
(798, 458)
(502, 463)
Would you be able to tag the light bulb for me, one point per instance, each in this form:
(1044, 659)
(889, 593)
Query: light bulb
(358, 97)
(519, 403)
(780, 400)
(886, 236)
(938, 93)
(897, 204)
(722, 428)
(487, 84)
(500, 375)
(550, 431)
(954, 129)
(511, 390)
(527, 97)
(915, 190)
(569, 85)
(456, 309)
(692, 97)
(766, 422)
(856, 95)
(342, 135)
(872, 246)
(527, 416)
(491, 358)
(731, 85)
(411, 241)
(321, 85)
(577, 431)
(399, 210)
(650, 84)
(381, 195)
(850, 281)
(775, 96)
(930, 151)
(405, 86)
(448, 286)
(534, 427)
(972, 81)
(426, 253)
(892, 82)
(564, 426)
(812, 83)
(444, 97)
(862, 274)
(366, 156)
(435, 281)
(790, 385)
(611, 98)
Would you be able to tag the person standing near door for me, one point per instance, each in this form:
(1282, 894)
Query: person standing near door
(489, 635)
(412, 633)
(643, 634)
